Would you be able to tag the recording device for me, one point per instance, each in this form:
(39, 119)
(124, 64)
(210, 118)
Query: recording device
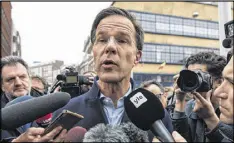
(106, 133)
(134, 133)
(27, 111)
(75, 134)
(145, 110)
(197, 80)
(228, 28)
(66, 119)
(70, 81)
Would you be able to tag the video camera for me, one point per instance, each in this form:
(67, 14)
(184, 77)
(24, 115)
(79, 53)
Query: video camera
(228, 41)
(70, 81)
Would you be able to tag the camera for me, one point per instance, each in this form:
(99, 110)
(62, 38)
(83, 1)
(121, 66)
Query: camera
(197, 80)
(228, 27)
(70, 82)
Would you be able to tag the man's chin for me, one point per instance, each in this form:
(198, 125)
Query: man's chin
(225, 120)
(18, 94)
(110, 78)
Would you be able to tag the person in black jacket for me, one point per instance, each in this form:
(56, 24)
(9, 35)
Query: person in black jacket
(184, 118)
(15, 82)
(117, 42)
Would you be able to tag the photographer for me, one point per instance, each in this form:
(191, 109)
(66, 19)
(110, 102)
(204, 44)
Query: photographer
(185, 119)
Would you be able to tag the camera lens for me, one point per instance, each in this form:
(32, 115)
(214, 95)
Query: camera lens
(188, 81)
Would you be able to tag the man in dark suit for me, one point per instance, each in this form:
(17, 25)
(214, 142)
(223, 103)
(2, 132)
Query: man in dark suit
(117, 42)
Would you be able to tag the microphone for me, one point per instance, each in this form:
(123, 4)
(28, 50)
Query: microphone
(145, 110)
(134, 133)
(18, 100)
(106, 133)
(24, 112)
(75, 134)
(45, 120)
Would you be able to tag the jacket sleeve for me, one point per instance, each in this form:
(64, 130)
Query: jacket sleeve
(180, 124)
(221, 133)
(167, 121)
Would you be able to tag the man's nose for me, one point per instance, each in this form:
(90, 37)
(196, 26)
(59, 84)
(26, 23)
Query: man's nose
(18, 81)
(111, 47)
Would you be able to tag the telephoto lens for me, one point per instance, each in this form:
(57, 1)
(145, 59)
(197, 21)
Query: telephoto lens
(198, 81)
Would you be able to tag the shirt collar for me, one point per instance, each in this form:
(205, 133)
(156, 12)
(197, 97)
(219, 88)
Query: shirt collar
(102, 96)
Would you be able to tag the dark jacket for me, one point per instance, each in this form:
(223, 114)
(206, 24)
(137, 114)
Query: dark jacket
(8, 135)
(189, 125)
(90, 106)
(221, 133)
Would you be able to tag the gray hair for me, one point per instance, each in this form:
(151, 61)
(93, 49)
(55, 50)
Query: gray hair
(12, 60)
(150, 82)
(118, 11)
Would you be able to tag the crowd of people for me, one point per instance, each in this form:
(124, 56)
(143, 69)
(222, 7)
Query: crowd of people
(117, 42)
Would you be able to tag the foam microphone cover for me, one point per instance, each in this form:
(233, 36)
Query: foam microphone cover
(106, 133)
(143, 108)
(75, 134)
(24, 112)
(134, 133)
(18, 100)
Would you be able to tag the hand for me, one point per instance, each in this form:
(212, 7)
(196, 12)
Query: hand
(57, 89)
(34, 135)
(205, 110)
(177, 137)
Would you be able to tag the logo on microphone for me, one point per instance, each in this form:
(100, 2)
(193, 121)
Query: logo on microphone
(138, 99)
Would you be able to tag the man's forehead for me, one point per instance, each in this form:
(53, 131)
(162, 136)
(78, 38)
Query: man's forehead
(116, 22)
(13, 69)
(228, 70)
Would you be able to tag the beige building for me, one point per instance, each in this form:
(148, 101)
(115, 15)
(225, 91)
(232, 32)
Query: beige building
(173, 31)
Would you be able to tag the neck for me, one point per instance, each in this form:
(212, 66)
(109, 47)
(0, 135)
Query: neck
(114, 90)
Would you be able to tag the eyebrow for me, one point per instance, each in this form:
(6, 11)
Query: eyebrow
(229, 80)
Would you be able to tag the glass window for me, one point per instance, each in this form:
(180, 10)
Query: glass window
(158, 53)
(177, 25)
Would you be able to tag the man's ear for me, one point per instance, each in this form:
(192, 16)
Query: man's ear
(138, 57)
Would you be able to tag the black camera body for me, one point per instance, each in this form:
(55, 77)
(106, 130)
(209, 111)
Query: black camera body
(197, 80)
(228, 41)
(71, 82)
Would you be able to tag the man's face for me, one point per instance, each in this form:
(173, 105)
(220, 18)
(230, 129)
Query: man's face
(156, 90)
(15, 80)
(114, 50)
(38, 85)
(225, 93)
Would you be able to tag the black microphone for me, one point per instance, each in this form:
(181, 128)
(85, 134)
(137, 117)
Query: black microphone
(27, 111)
(134, 133)
(145, 110)
(106, 133)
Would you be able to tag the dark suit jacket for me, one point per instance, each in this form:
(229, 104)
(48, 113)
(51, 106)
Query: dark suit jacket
(90, 106)
(8, 135)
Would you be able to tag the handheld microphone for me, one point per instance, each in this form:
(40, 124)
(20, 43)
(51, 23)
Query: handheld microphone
(45, 120)
(75, 134)
(145, 110)
(106, 133)
(24, 112)
(18, 100)
(134, 133)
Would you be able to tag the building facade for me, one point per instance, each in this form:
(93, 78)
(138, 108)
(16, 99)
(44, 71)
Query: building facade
(6, 29)
(49, 70)
(16, 42)
(173, 31)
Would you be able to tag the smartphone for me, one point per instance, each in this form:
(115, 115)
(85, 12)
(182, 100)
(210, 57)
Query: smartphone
(66, 119)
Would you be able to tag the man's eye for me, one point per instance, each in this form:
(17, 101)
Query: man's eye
(122, 41)
(102, 40)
